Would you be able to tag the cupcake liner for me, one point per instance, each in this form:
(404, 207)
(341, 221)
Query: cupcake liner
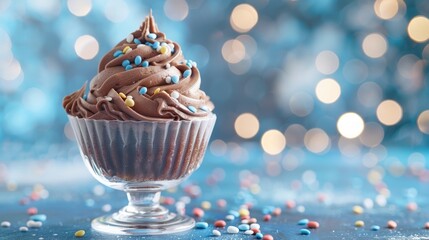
(142, 151)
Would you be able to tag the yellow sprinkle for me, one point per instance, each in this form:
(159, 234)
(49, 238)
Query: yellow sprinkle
(122, 95)
(157, 91)
(129, 102)
(79, 233)
(126, 49)
(357, 209)
(163, 49)
(243, 212)
(206, 205)
(359, 223)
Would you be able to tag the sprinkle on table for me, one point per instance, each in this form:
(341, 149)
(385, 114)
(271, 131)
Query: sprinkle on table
(23, 229)
(359, 223)
(201, 225)
(392, 224)
(303, 221)
(304, 231)
(313, 224)
(216, 233)
(79, 233)
(375, 228)
(198, 212)
(357, 209)
(220, 223)
(232, 229)
(5, 224)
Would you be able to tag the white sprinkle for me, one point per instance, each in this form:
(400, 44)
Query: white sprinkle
(168, 79)
(5, 224)
(141, 46)
(245, 221)
(128, 50)
(106, 208)
(167, 66)
(300, 209)
(130, 38)
(194, 64)
(33, 224)
(229, 217)
(216, 233)
(232, 229)
(108, 98)
(175, 94)
(248, 232)
(164, 44)
(255, 226)
(23, 229)
(171, 46)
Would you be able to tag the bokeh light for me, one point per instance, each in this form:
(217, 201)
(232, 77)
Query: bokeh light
(301, 104)
(116, 11)
(86, 47)
(389, 112)
(386, 9)
(328, 90)
(176, 10)
(243, 18)
(423, 122)
(327, 62)
(246, 125)
(273, 142)
(350, 125)
(372, 134)
(233, 51)
(316, 140)
(418, 29)
(374, 45)
(79, 8)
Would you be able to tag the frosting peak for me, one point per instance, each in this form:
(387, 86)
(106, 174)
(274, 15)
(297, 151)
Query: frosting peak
(144, 77)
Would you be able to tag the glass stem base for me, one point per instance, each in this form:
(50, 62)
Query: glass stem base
(143, 216)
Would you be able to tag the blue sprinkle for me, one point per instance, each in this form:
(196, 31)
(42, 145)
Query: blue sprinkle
(303, 221)
(145, 64)
(137, 41)
(234, 213)
(155, 45)
(375, 228)
(125, 63)
(148, 44)
(201, 225)
(204, 108)
(192, 109)
(304, 231)
(174, 79)
(138, 60)
(143, 90)
(259, 236)
(38, 217)
(243, 227)
(187, 73)
(85, 97)
(128, 67)
(151, 35)
(117, 53)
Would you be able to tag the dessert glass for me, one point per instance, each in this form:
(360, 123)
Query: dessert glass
(142, 158)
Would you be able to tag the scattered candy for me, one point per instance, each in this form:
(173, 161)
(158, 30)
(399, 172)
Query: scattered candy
(128, 67)
(290, 204)
(232, 229)
(175, 94)
(155, 45)
(427, 225)
(143, 90)
(117, 53)
(245, 221)
(255, 226)
(220, 223)
(163, 49)
(106, 208)
(259, 235)
(201, 225)
(129, 102)
(145, 63)
(38, 217)
(267, 217)
(375, 227)
(167, 66)
(23, 229)
(243, 227)
(175, 79)
(122, 95)
(34, 224)
(392, 224)
(125, 63)
(412, 207)
(32, 211)
(313, 224)
(151, 35)
(216, 233)
(79, 233)
(304, 221)
(157, 91)
(138, 60)
(230, 217)
(248, 232)
(129, 38)
(187, 73)
(167, 79)
(359, 223)
(277, 211)
(108, 98)
(5, 224)
(192, 109)
(357, 209)
(126, 49)
(267, 237)
(198, 212)
(255, 231)
(243, 212)
(304, 231)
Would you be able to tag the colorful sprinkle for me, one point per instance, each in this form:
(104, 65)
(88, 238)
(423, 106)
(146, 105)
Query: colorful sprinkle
(122, 95)
(245, 221)
(197, 212)
(232, 229)
(38, 217)
(23, 229)
(248, 232)
(32, 211)
(259, 235)
(313, 224)
(303, 221)
(267, 217)
(138, 60)
(151, 35)
(125, 50)
(201, 225)
(290, 204)
(267, 237)
(220, 223)
(167, 79)
(304, 231)
(117, 53)
(143, 90)
(140, 45)
(375, 227)
(129, 102)
(125, 63)
(128, 67)
(167, 66)
(255, 226)
(155, 45)
(255, 231)
(206, 205)
(357, 209)
(192, 109)
(187, 73)
(253, 220)
(175, 79)
(175, 94)
(129, 38)
(277, 211)
(137, 41)
(230, 217)
(216, 233)
(163, 50)
(243, 227)
(34, 224)
(145, 63)
(412, 207)
(5, 224)
(392, 224)
(109, 99)
(158, 90)
(359, 223)
(79, 233)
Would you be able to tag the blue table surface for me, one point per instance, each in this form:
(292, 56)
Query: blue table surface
(324, 187)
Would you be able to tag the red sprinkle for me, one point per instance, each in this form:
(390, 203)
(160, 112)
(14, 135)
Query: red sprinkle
(427, 225)
(168, 201)
(198, 212)
(277, 211)
(245, 217)
(255, 231)
(290, 204)
(220, 223)
(412, 207)
(267, 217)
(221, 203)
(252, 220)
(392, 224)
(313, 224)
(267, 237)
(32, 211)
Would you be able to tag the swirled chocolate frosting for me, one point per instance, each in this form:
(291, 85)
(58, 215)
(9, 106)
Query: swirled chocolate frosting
(144, 77)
